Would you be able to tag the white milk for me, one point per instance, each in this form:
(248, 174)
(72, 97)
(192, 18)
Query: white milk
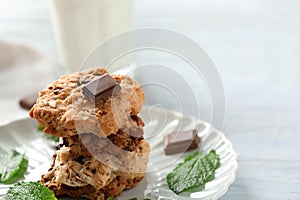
(80, 25)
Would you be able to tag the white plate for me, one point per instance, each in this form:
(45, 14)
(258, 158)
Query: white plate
(23, 135)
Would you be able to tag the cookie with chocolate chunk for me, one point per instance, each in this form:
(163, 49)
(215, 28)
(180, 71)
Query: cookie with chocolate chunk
(103, 150)
(65, 111)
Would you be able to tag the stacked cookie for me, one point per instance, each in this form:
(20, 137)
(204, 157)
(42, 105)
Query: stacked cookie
(102, 151)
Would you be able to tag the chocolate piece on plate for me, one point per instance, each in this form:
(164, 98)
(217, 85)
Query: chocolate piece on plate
(181, 141)
(28, 102)
(100, 88)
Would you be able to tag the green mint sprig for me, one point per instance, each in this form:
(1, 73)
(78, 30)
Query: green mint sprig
(194, 172)
(29, 190)
(13, 166)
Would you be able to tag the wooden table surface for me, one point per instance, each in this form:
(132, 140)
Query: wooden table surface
(255, 46)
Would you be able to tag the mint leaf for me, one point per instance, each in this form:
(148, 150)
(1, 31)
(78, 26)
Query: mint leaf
(194, 172)
(40, 127)
(47, 136)
(51, 137)
(13, 166)
(29, 190)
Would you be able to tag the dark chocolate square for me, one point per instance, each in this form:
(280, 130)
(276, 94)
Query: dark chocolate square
(99, 88)
(181, 141)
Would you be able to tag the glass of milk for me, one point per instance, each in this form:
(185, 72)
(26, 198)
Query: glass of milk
(80, 25)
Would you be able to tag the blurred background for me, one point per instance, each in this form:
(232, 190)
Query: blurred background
(255, 46)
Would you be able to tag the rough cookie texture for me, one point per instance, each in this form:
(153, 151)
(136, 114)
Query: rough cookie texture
(103, 150)
(77, 172)
(65, 111)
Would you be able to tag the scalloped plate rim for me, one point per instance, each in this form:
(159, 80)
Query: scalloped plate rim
(218, 194)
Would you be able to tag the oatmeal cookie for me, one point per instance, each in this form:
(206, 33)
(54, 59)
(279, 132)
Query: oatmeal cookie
(85, 176)
(65, 111)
